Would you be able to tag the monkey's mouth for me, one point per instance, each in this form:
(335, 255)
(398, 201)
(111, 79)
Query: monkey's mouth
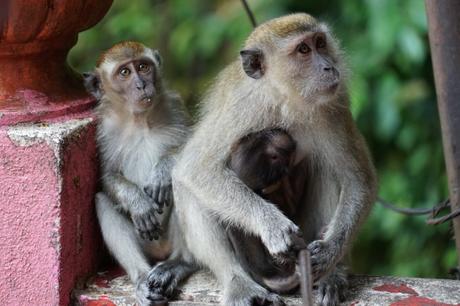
(330, 87)
(145, 101)
(333, 86)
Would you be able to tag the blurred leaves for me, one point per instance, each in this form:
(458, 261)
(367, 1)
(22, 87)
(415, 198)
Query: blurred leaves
(391, 90)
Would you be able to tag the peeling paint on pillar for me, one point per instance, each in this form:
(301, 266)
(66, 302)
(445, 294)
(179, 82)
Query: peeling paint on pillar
(48, 231)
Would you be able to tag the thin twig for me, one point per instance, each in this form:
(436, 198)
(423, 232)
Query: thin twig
(436, 221)
(250, 14)
(415, 211)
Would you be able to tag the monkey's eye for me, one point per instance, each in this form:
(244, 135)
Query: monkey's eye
(320, 43)
(303, 48)
(143, 67)
(124, 72)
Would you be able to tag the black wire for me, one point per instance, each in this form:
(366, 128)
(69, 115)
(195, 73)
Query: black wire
(250, 14)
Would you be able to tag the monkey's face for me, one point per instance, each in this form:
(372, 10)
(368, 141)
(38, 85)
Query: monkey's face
(297, 56)
(278, 154)
(310, 65)
(134, 82)
(127, 77)
(261, 159)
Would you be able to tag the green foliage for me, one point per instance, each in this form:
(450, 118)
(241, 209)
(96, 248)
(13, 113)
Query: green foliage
(392, 94)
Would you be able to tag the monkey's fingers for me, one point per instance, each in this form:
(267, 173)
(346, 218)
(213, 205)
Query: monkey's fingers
(155, 235)
(162, 193)
(158, 207)
(315, 273)
(171, 198)
(140, 227)
(298, 243)
(158, 232)
(168, 197)
(148, 191)
(145, 228)
(316, 247)
(151, 236)
(151, 225)
(138, 224)
(155, 192)
(154, 221)
(144, 235)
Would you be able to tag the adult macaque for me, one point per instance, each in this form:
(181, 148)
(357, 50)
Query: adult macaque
(263, 161)
(141, 126)
(290, 76)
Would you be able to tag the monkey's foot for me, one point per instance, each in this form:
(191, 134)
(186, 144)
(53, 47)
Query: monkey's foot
(248, 293)
(165, 277)
(323, 254)
(147, 297)
(332, 289)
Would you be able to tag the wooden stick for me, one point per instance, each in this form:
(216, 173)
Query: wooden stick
(306, 282)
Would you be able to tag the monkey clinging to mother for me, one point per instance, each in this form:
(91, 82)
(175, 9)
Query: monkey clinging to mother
(290, 76)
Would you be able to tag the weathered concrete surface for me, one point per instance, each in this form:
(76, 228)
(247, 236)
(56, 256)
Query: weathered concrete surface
(111, 288)
(48, 231)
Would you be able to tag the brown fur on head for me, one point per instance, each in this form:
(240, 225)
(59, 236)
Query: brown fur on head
(282, 27)
(128, 77)
(126, 50)
(120, 52)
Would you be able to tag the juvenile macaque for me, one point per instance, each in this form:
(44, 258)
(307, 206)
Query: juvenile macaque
(290, 75)
(141, 126)
(263, 161)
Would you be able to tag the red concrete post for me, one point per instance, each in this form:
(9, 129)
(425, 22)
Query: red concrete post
(49, 236)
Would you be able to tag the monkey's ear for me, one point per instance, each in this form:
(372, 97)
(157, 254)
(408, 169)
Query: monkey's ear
(157, 58)
(252, 60)
(92, 84)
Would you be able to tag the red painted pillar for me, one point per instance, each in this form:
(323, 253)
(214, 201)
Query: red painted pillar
(49, 236)
(35, 37)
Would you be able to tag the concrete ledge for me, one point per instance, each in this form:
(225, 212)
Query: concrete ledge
(49, 236)
(112, 288)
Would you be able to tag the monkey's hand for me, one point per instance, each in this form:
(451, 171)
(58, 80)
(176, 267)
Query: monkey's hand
(324, 254)
(283, 240)
(160, 185)
(145, 222)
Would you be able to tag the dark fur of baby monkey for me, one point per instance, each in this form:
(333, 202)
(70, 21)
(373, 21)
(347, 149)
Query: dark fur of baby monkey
(263, 161)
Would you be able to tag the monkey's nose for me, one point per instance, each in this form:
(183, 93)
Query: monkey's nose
(140, 85)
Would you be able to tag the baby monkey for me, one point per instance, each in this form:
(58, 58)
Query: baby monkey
(263, 161)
